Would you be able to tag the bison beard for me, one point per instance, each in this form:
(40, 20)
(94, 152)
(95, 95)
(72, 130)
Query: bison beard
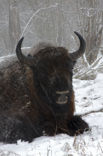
(36, 94)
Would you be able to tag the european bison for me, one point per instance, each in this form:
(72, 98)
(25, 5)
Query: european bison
(36, 94)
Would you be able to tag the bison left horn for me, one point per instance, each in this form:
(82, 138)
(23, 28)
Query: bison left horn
(75, 55)
(22, 58)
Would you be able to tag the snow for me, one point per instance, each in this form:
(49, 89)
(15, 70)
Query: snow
(88, 97)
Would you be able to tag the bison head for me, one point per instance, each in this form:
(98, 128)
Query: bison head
(52, 73)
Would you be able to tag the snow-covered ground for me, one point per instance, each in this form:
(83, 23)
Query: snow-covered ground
(89, 97)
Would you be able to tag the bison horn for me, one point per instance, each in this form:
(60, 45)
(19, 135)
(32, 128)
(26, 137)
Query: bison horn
(75, 55)
(22, 58)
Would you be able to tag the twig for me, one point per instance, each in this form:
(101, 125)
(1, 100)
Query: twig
(35, 14)
(94, 111)
(100, 147)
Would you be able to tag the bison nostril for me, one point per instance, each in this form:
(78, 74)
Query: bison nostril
(62, 92)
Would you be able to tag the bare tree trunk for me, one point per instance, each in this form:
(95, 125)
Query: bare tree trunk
(92, 27)
(60, 29)
(14, 24)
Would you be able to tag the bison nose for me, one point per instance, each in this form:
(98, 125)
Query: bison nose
(63, 98)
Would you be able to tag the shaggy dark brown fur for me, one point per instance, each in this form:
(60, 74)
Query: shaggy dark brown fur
(36, 94)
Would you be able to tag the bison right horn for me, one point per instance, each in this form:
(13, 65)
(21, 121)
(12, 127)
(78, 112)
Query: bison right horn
(75, 55)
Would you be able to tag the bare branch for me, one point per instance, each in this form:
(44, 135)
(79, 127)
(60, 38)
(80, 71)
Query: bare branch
(35, 14)
(93, 111)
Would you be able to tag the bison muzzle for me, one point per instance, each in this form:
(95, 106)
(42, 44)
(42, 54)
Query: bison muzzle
(36, 94)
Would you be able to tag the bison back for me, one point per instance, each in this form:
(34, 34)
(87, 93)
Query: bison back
(13, 90)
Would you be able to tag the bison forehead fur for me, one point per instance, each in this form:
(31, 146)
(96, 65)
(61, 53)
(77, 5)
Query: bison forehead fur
(36, 94)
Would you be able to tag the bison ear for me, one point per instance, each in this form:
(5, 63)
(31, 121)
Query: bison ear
(75, 55)
(28, 60)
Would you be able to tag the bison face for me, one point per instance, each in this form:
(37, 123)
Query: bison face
(52, 70)
(53, 77)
